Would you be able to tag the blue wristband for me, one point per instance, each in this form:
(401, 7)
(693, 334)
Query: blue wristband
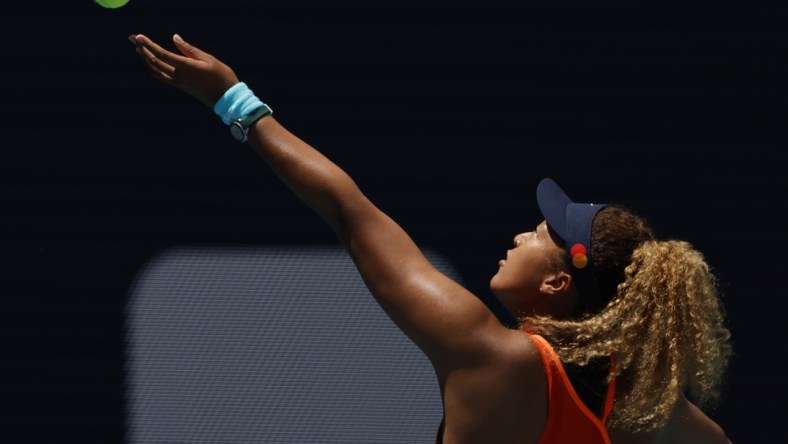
(236, 103)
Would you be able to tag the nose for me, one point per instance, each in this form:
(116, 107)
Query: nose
(519, 239)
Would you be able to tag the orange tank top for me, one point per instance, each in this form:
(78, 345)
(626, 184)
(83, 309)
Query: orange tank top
(568, 419)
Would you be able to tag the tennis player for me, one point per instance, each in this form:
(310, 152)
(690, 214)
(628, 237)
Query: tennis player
(617, 330)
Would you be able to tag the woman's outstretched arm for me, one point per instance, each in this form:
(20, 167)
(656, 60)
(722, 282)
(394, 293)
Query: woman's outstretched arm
(445, 320)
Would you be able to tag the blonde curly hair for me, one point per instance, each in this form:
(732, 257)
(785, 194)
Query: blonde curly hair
(664, 326)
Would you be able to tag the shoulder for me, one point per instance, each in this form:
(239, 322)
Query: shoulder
(518, 348)
(501, 395)
(517, 358)
(508, 356)
(688, 424)
(490, 344)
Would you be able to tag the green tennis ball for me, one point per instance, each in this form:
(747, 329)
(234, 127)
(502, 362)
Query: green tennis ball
(112, 4)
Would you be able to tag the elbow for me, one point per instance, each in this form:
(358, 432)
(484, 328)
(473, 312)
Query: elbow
(339, 206)
(353, 214)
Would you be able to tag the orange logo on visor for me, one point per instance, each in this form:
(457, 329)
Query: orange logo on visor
(579, 258)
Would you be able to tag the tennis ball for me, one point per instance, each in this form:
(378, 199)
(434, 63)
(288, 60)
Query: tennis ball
(112, 4)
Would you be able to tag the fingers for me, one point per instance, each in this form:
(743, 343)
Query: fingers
(158, 68)
(196, 73)
(189, 50)
(161, 54)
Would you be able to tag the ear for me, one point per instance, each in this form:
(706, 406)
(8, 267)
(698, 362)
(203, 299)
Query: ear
(559, 282)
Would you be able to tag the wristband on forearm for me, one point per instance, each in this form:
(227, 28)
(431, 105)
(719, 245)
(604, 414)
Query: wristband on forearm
(240, 108)
(236, 103)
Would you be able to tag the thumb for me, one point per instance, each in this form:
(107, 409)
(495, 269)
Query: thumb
(188, 50)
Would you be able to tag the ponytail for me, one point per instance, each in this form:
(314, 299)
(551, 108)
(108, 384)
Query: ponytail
(665, 329)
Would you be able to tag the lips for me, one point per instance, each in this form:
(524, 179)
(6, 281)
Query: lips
(502, 262)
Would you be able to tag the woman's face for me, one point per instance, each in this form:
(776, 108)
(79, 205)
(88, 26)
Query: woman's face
(520, 278)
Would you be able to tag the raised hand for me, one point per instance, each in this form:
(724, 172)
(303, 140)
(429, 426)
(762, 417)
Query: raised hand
(195, 72)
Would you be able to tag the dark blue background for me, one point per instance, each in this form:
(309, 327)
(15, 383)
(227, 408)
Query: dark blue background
(447, 113)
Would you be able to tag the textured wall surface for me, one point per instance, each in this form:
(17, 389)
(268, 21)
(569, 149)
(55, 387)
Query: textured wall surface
(278, 345)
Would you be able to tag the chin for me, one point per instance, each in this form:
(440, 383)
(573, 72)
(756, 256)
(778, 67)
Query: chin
(494, 287)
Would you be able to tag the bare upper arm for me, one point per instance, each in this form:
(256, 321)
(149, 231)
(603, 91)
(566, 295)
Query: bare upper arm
(439, 315)
(688, 424)
(444, 319)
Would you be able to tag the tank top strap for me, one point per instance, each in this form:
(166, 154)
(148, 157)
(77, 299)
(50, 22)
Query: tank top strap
(550, 359)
